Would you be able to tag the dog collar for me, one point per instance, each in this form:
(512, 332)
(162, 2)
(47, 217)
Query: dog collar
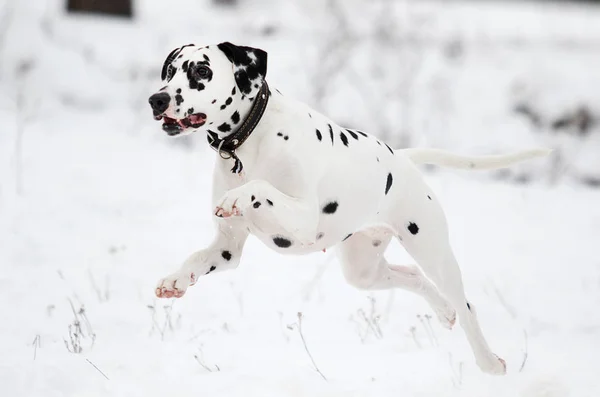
(226, 147)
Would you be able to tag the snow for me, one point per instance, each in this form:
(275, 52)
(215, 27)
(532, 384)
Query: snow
(105, 204)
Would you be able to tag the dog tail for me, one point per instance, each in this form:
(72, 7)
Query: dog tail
(452, 160)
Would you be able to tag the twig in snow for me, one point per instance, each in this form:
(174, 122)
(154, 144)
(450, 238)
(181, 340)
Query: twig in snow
(428, 331)
(103, 295)
(76, 332)
(525, 355)
(36, 343)
(371, 320)
(428, 320)
(413, 332)
(200, 361)
(24, 68)
(509, 308)
(299, 325)
(98, 369)
(167, 323)
(456, 376)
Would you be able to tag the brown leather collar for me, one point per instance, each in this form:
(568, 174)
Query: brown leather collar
(226, 147)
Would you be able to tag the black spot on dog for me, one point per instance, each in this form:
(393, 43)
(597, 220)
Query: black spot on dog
(206, 58)
(243, 80)
(269, 202)
(194, 85)
(388, 183)
(178, 99)
(352, 134)
(212, 269)
(252, 198)
(279, 134)
(344, 139)
(319, 136)
(376, 243)
(226, 255)
(256, 86)
(213, 101)
(282, 242)
(177, 110)
(257, 204)
(310, 115)
(331, 133)
(190, 111)
(378, 159)
(347, 237)
(389, 148)
(413, 228)
(330, 207)
(429, 197)
(379, 143)
(320, 235)
(224, 127)
(178, 91)
(235, 117)
(468, 306)
(228, 101)
(285, 138)
(233, 91)
(362, 133)
(223, 107)
(185, 66)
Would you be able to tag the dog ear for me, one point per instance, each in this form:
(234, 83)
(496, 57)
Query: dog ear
(167, 68)
(250, 66)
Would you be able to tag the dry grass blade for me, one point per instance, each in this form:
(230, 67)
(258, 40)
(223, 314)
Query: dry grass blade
(299, 325)
(97, 369)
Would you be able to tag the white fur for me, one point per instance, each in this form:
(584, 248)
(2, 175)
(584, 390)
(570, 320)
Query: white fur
(302, 174)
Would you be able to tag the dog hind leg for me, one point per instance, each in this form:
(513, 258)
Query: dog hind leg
(365, 267)
(425, 237)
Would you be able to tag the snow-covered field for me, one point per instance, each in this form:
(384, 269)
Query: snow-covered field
(96, 204)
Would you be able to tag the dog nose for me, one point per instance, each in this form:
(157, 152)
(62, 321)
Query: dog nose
(159, 102)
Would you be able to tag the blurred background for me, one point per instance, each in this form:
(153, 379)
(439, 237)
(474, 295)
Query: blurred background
(97, 203)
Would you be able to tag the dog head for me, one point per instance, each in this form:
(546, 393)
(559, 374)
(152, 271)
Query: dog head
(208, 88)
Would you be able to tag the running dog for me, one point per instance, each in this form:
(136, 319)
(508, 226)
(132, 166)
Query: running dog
(301, 183)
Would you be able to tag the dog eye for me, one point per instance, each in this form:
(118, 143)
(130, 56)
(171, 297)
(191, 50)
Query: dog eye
(203, 72)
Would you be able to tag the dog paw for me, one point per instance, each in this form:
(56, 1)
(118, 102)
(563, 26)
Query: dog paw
(446, 315)
(493, 365)
(175, 285)
(233, 203)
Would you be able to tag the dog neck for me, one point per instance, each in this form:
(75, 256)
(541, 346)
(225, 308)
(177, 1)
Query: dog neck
(226, 146)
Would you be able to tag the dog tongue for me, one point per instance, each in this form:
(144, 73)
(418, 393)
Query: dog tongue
(196, 118)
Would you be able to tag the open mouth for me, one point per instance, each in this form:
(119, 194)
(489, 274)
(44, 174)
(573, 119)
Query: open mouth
(176, 126)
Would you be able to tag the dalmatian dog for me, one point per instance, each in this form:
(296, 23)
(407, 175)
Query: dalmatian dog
(301, 183)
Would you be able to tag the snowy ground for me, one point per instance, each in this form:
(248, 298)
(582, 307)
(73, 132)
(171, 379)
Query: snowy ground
(100, 204)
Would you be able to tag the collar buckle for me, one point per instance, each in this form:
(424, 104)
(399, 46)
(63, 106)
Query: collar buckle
(235, 140)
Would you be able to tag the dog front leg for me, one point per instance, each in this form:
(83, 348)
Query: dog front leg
(298, 217)
(224, 253)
